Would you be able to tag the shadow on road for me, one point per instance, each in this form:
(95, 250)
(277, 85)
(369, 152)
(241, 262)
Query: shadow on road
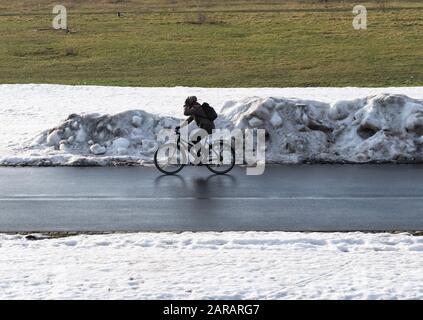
(198, 187)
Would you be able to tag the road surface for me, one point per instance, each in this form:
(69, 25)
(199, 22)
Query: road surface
(289, 198)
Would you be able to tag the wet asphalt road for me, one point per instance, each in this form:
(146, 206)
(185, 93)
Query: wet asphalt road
(288, 198)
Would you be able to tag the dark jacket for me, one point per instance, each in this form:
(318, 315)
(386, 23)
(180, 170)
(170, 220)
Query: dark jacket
(196, 112)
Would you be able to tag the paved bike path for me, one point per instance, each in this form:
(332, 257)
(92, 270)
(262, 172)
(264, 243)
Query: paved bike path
(289, 198)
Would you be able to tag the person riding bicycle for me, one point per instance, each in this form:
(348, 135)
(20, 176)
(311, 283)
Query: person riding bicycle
(202, 114)
(219, 157)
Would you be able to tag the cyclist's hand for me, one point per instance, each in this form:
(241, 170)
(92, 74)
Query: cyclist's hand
(177, 129)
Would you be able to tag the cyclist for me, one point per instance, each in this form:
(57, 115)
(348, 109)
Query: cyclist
(202, 114)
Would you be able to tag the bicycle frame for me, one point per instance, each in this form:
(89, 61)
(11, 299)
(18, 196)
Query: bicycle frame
(189, 145)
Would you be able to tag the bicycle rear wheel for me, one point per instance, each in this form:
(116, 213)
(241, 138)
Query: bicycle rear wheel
(168, 159)
(221, 157)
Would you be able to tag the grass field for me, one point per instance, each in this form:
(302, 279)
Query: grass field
(218, 43)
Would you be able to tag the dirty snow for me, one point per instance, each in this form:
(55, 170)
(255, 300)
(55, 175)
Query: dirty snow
(75, 125)
(230, 265)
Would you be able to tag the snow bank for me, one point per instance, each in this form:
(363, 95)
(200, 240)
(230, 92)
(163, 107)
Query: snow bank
(229, 265)
(381, 128)
(377, 128)
(91, 139)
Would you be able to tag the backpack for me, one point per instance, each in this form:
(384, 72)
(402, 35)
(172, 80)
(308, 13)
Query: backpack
(210, 112)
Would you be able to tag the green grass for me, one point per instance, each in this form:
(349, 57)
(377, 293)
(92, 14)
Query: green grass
(240, 44)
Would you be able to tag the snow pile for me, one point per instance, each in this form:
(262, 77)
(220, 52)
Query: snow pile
(321, 128)
(126, 136)
(379, 128)
(229, 265)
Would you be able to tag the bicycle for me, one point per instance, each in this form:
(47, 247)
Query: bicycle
(170, 158)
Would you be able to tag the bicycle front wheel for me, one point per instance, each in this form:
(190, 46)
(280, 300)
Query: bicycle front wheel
(168, 159)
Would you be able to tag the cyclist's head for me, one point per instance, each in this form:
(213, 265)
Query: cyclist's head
(190, 100)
